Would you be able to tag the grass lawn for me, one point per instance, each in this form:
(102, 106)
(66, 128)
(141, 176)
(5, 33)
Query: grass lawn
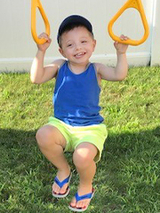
(128, 175)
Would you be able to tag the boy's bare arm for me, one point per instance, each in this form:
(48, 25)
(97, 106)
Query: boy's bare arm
(120, 71)
(40, 73)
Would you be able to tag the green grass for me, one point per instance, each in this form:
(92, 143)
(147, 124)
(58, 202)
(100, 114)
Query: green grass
(128, 175)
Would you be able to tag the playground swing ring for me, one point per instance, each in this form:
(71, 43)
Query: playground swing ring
(37, 4)
(136, 4)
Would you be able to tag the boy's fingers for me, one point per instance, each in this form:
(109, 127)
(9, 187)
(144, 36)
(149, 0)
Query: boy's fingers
(126, 38)
(123, 37)
(45, 36)
(49, 40)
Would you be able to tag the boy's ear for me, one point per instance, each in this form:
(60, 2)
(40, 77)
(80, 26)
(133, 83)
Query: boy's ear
(94, 43)
(61, 52)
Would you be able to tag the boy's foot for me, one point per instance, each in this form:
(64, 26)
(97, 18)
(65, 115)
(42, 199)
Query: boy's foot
(60, 187)
(82, 199)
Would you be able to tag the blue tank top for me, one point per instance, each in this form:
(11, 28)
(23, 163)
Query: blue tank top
(76, 97)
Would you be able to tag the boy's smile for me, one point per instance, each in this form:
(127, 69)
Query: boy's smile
(79, 55)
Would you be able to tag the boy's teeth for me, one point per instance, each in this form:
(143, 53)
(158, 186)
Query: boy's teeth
(79, 54)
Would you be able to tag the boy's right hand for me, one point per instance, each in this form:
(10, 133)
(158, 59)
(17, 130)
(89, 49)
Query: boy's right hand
(43, 47)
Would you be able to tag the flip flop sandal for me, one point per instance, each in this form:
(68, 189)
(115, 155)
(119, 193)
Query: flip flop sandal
(61, 184)
(83, 197)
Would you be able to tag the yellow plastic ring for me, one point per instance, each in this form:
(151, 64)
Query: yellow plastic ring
(136, 4)
(37, 4)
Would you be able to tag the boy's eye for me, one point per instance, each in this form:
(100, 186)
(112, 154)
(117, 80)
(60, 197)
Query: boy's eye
(69, 45)
(84, 41)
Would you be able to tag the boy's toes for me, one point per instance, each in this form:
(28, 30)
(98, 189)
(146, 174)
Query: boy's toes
(55, 188)
(73, 203)
(81, 205)
(63, 189)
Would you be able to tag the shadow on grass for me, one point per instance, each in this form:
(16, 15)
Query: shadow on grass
(128, 160)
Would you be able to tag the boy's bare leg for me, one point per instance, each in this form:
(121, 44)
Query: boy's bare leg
(51, 143)
(83, 159)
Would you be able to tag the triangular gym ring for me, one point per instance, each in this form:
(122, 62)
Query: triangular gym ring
(136, 4)
(37, 4)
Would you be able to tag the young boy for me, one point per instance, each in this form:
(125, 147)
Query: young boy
(76, 125)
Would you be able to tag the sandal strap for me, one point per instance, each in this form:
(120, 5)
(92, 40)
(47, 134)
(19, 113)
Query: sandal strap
(83, 197)
(61, 183)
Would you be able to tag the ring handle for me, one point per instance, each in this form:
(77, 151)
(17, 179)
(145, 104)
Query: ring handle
(37, 4)
(136, 4)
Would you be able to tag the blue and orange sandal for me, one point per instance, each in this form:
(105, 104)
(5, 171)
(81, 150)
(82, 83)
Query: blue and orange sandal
(61, 184)
(83, 197)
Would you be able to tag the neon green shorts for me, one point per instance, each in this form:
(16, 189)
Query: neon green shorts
(94, 134)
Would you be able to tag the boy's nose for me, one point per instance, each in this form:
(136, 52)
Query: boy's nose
(78, 46)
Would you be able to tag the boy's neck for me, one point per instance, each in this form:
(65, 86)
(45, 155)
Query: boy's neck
(78, 68)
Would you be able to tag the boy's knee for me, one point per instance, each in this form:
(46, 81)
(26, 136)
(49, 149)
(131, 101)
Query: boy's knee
(80, 160)
(48, 136)
(43, 135)
(84, 155)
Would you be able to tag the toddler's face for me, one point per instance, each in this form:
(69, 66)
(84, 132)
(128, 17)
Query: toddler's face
(77, 45)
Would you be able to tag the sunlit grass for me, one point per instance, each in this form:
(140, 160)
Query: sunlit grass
(128, 175)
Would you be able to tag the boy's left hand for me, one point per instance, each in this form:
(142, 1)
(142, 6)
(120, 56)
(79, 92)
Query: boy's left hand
(121, 48)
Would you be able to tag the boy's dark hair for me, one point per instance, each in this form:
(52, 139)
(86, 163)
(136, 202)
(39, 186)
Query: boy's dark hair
(71, 22)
